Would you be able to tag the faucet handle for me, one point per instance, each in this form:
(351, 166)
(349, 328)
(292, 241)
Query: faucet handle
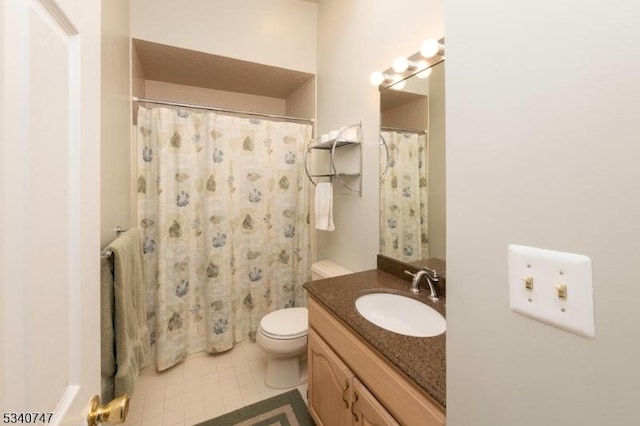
(415, 288)
(432, 278)
(432, 272)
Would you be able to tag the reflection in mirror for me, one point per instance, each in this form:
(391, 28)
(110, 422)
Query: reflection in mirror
(412, 192)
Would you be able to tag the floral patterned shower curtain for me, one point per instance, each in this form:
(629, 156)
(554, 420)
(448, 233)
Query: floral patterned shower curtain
(404, 231)
(222, 202)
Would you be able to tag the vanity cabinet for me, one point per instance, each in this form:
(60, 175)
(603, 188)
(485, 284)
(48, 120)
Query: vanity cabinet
(330, 384)
(351, 384)
(366, 409)
(336, 396)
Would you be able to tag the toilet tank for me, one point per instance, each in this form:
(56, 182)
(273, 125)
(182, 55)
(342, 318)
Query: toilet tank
(327, 269)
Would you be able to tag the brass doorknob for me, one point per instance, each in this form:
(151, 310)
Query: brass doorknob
(115, 412)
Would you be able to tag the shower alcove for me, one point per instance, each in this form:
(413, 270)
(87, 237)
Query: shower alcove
(256, 273)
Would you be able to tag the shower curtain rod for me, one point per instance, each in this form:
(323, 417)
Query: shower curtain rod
(396, 129)
(234, 111)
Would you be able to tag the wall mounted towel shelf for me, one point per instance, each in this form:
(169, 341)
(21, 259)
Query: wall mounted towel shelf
(342, 159)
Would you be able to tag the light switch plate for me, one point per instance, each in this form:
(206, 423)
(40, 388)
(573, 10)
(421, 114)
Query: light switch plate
(561, 288)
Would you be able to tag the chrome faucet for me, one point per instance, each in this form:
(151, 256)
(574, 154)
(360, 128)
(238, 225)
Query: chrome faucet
(432, 279)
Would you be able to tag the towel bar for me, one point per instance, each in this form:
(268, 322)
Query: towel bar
(330, 145)
(118, 230)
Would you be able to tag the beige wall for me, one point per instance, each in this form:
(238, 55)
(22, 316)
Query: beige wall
(302, 102)
(542, 150)
(116, 208)
(137, 85)
(137, 75)
(412, 115)
(159, 90)
(355, 38)
(281, 33)
(437, 205)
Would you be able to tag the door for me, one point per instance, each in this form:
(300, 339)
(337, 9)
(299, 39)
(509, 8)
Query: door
(330, 382)
(367, 410)
(49, 209)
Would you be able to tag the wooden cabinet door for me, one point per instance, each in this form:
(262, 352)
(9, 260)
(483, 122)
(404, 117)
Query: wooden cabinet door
(367, 410)
(330, 384)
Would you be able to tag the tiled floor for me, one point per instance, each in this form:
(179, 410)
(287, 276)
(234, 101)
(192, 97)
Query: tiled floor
(202, 387)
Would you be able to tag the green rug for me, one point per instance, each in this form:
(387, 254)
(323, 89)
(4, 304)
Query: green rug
(286, 409)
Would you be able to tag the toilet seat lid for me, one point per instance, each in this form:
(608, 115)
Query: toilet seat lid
(286, 323)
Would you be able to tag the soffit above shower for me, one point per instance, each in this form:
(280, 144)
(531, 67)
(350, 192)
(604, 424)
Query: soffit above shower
(188, 67)
(390, 98)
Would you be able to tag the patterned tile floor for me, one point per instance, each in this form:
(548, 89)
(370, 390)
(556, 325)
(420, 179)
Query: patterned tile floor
(202, 387)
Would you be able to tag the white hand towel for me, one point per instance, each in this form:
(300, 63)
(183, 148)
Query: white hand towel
(324, 206)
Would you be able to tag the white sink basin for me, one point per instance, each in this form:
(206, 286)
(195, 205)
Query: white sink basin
(401, 314)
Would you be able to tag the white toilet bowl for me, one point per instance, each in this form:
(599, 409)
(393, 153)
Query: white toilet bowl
(282, 336)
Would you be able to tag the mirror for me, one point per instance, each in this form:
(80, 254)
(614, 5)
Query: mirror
(412, 166)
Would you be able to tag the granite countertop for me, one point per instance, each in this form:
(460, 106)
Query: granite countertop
(421, 359)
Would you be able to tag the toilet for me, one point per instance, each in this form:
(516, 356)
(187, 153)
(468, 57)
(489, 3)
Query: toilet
(282, 336)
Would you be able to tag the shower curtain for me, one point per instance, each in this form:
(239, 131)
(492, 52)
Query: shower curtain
(404, 232)
(223, 205)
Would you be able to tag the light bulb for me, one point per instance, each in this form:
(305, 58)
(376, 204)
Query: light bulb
(400, 64)
(376, 78)
(431, 48)
(398, 84)
(424, 74)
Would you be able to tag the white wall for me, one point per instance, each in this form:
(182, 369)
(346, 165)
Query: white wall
(280, 33)
(355, 38)
(116, 207)
(542, 150)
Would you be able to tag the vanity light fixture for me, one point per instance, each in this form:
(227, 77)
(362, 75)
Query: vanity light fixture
(424, 74)
(425, 69)
(431, 47)
(377, 78)
(402, 64)
(420, 63)
(398, 84)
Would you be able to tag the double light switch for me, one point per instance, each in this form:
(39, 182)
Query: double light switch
(552, 287)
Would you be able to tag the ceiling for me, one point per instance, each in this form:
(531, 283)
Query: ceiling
(181, 66)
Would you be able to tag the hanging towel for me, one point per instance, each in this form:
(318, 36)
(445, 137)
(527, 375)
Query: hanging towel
(130, 314)
(324, 206)
(108, 357)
